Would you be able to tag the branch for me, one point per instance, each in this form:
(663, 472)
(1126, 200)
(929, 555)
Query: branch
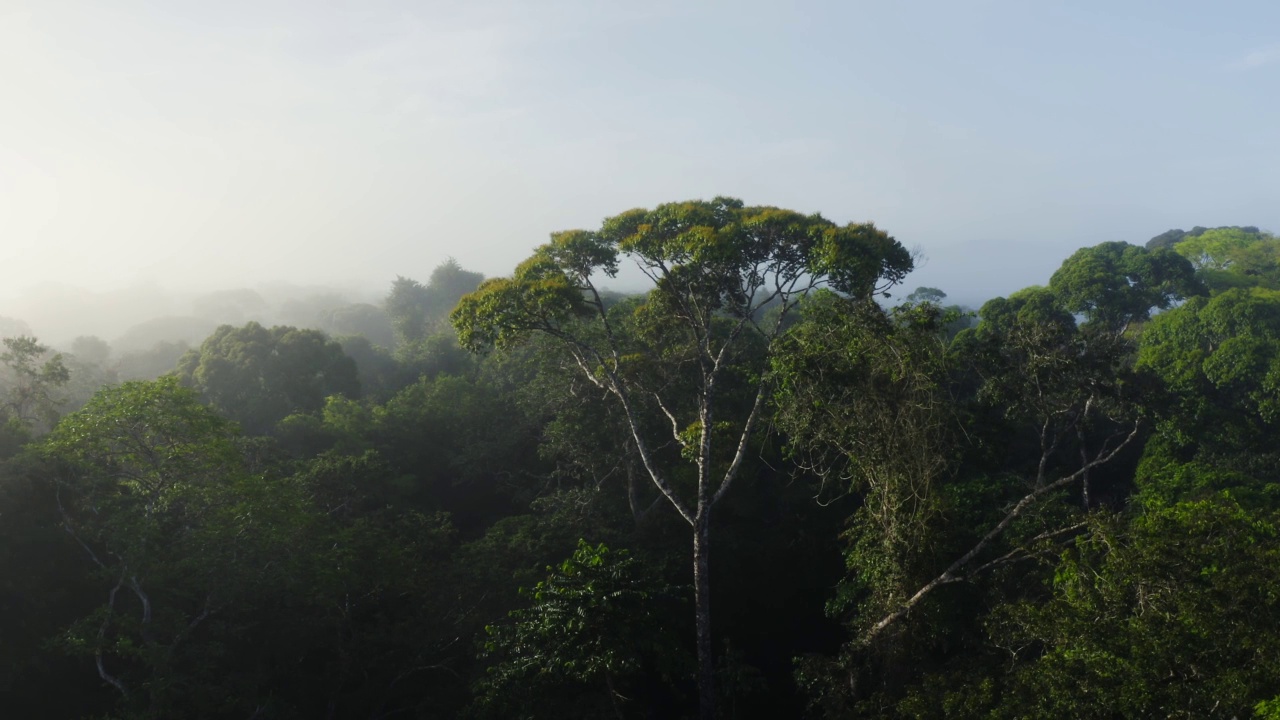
(147, 635)
(577, 349)
(102, 634)
(70, 530)
(951, 575)
(675, 426)
(645, 457)
(743, 439)
(647, 266)
(604, 318)
(1021, 553)
(754, 415)
(1083, 455)
(205, 612)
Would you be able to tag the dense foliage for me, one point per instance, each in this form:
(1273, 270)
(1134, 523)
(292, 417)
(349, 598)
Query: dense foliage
(478, 499)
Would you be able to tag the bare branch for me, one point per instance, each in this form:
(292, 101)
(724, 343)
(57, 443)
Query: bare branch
(613, 384)
(1022, 553)
(743, 439)
(102, 634)
(951, 575)
(604, 318)
(675, 426)
(147, 634)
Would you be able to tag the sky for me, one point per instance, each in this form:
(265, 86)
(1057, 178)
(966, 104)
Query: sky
(182, 145)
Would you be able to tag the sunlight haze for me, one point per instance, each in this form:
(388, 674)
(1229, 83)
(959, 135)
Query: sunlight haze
(215, 145)
(677, 359)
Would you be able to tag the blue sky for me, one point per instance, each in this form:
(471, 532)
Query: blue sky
(233, 143)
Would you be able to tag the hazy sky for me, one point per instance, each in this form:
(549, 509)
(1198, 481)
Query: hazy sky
(220, 144)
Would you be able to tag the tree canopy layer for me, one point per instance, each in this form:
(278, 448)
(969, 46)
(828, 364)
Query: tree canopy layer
(1064, 504)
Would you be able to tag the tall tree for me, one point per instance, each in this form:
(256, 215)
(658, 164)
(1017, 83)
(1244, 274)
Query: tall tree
(418, 310)
(714, 267)
(1116, 284)
(1219, 361)
(34, 378)
(1220, 248)
(257, 376)
(1234, 257)
(864, 401)
(1169, 238)
(1044, 374)
(146, 476)
(231, 590)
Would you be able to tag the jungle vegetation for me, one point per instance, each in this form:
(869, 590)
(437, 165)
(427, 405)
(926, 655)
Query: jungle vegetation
(775, 483)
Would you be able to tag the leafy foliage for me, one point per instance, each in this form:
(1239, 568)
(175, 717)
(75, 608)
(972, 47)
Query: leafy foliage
(35, 376)
(1116, 284)
(1066, 507)
(724, 277)
(258, 376)
(1159, 617)
(862, 396)
(574, 651)
(1220, 360)
(418, 311)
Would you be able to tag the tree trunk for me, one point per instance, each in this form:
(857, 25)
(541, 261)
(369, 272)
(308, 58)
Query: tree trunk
(702, 609)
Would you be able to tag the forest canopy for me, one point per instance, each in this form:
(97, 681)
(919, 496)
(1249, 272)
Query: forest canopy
(773, 483)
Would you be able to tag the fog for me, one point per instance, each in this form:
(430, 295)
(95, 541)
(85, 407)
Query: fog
(136, 317)
(266, 452)
(154, 152)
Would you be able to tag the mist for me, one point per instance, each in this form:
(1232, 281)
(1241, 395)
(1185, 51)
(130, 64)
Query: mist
(135, 316)
(150, 152)
(915, 359)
